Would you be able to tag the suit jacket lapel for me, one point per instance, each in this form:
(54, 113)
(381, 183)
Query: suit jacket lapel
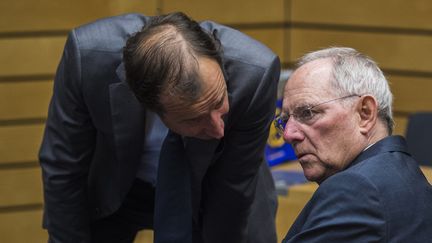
(128, 119)
(200, 154)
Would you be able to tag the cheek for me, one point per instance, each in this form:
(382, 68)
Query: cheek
(334, 127)
(186, 129)
(324, 133)
(333, 140)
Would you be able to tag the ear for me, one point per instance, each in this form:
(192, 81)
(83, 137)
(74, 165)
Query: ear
(368, 112)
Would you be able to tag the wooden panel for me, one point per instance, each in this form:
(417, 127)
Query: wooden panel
(24, 99)
(291, 205)
(228, 11)
(383, 13)
(30, 56)
(20, 143)
(273, 38)
(400, 125)
(144, 236)
(427, 171)
(20, 186)
(26, 226)
(24, 15)
(411, 93)
(288, 210)
(390, 51)
(23, 226)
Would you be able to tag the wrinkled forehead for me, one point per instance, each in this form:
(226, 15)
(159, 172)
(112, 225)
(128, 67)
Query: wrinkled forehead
(309, 83)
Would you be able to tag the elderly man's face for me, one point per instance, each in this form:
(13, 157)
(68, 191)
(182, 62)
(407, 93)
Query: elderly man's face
(325, 142)
(204, 119)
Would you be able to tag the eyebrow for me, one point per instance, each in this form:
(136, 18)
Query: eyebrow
(300, 106)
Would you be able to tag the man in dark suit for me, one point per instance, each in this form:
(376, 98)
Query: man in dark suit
(207, 96)
(337, 115)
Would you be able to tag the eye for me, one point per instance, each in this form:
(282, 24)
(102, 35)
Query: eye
(194, 121)
(305, 114)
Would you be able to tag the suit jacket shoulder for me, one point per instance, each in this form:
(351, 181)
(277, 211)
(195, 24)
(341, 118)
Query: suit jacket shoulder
(239, 46)
(109, 34)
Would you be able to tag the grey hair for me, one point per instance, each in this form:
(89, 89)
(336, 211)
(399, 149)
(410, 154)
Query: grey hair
(356, 73)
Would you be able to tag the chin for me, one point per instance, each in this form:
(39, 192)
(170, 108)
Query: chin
(308, 173)
(312, 174)
(309, 177)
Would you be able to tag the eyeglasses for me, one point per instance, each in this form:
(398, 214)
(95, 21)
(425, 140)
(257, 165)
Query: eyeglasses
(302, 114)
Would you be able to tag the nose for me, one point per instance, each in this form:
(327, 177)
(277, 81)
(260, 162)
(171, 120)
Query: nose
(292, 133)
(216, 126)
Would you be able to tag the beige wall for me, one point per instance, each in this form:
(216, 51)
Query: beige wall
(396, 33)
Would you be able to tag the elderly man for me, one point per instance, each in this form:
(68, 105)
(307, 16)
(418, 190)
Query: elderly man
(337, 115)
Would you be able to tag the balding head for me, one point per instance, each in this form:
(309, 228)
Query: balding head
(162, 59)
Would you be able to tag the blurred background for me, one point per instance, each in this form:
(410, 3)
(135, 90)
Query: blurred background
(395, 33)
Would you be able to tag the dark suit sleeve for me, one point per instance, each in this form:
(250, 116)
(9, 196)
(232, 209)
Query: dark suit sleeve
(345, 208)
(232, 182)
(65, 153)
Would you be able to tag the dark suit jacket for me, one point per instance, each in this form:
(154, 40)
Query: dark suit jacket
(381, 197)
(94, 138)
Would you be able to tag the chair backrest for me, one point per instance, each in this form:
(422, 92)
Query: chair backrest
(419, 137)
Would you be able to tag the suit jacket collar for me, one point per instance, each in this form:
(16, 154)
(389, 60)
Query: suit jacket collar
(121, 72)
(387, 144)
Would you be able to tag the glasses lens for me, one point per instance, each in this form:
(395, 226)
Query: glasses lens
(304, 115)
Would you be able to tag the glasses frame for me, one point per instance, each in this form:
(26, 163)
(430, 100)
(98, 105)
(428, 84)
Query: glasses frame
(281, 120)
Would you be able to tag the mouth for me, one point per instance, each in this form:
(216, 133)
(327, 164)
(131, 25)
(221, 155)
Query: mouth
(300, 155)
(305, 158)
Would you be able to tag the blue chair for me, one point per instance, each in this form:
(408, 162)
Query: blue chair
(419, 137)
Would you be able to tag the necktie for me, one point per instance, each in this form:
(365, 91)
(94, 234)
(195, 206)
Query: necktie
(173, 207)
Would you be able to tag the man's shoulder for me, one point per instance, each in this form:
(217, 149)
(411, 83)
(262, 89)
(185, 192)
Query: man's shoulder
(109, 34)
(239, 46)
(381, 172)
